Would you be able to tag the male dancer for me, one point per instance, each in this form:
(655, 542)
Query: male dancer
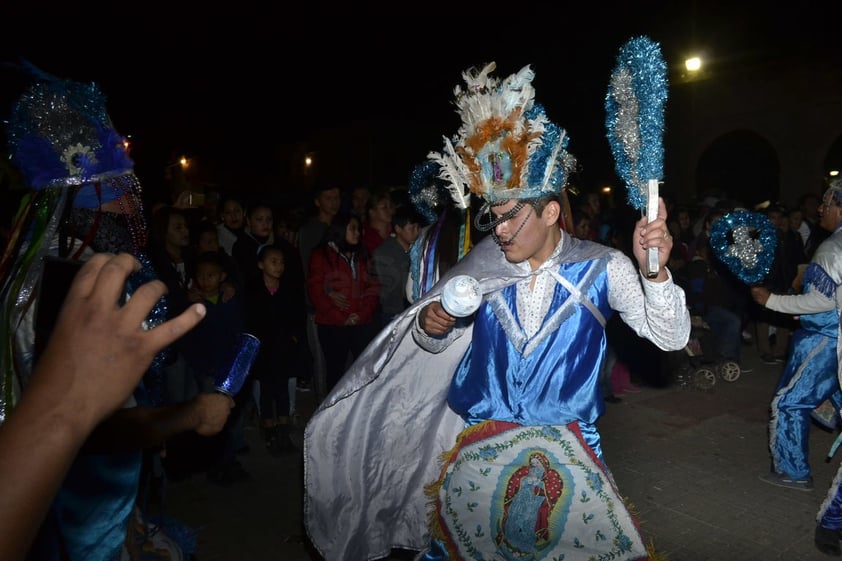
(506, 398)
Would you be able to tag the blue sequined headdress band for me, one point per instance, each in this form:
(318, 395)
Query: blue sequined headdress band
(506, 147)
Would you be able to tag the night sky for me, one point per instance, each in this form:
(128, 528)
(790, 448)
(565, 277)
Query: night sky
(234, 82)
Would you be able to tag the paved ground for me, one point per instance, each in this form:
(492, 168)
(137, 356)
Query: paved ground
(688, 461)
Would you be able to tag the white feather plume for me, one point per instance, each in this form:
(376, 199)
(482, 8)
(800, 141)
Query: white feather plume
(484, 96)
(559, 147)
(454, 173)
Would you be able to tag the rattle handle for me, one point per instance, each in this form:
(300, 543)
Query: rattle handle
(652, 263)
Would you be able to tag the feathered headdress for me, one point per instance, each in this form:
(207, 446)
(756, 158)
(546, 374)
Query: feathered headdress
(506, 147)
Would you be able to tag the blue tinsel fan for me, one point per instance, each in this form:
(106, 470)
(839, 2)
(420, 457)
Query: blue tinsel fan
(634, 109)
(745, 242)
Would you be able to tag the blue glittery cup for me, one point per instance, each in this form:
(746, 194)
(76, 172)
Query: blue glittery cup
(231, 379)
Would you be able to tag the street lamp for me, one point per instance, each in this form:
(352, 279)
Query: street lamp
(690, 71)
(693, 64)
(178, 181)
(183, 162)
(309, 164)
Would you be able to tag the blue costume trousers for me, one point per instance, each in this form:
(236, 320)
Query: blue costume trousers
(830, 512)
(808, 379)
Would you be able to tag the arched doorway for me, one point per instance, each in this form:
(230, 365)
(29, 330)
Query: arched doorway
(741, 165)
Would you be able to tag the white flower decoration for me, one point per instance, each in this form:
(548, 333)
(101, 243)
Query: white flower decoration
(745, 248)
(72, 154)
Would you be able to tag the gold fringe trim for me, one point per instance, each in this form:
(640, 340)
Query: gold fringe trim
(655, 555)
(651, 552)
(431, 490)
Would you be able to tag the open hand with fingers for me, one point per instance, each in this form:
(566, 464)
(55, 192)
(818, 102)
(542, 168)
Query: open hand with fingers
(99, 350)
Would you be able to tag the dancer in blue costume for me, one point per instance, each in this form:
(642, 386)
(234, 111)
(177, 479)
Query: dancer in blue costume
(829, 517)
(417, 445)
(84, 198)
(810, 375)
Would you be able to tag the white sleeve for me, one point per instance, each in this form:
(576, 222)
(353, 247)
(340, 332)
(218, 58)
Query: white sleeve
(656, 311)
(808, 303)
(434, 344)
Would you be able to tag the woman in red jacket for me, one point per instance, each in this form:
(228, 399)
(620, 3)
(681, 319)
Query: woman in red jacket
(345, 293)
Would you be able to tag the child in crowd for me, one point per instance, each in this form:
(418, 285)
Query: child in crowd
(391, 262)
(207, 241)
(209, 346)
(208, 350)
(259, 231)
(232, 222)
(275, 314)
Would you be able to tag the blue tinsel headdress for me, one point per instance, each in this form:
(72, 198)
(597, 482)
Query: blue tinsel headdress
(60, 135)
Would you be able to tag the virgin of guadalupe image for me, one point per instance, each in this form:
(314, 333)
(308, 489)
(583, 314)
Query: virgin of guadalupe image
(531, 495)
